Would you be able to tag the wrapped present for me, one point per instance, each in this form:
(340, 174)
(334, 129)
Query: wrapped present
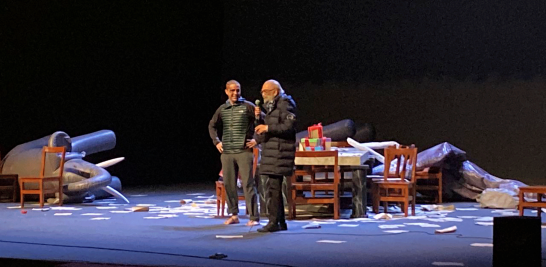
(316, 148)
(315, 131)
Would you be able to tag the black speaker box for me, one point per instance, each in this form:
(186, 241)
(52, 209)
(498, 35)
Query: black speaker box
(517, 241)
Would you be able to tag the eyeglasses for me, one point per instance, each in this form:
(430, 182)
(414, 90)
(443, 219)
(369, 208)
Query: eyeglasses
(268, 91)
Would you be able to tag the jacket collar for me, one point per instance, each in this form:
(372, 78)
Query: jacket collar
(238, 102)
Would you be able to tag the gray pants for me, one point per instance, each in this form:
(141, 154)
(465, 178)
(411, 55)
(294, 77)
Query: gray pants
(244, 163)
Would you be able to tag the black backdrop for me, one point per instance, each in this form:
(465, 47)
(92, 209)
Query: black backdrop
(469, 73)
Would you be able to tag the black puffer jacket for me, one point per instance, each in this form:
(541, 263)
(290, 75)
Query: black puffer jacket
(279, 142)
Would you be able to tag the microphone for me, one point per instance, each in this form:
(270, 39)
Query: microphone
(257, 118)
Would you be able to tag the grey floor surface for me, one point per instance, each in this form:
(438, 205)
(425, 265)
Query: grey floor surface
(106, 233)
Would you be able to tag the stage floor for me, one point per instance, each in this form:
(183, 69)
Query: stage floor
(171, 234)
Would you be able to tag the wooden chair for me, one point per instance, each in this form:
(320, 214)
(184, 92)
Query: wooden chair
(329, 158)
(424, 181)
(41, 179)
(11, 184)
(400, 185)
(221, 194)
(327, 169)
(538, 204)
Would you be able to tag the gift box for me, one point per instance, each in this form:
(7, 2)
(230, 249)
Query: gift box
(315, 131)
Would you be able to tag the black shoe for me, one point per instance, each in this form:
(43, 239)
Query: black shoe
(283, 226)
(270, 227)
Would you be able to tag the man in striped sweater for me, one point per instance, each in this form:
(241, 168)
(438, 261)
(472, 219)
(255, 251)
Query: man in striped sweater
(235, 119)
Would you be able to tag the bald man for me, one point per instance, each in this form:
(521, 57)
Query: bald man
(277, 134)
(236, 119)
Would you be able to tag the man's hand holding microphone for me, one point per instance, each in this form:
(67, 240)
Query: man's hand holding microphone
(260, 129)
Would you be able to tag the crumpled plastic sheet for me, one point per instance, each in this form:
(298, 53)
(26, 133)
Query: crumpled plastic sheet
(461, 178)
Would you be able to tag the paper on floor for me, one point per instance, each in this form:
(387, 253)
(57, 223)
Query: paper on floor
(65, 208)
(391, 226)
(331, 241)
(348, 225)
(229, 236)
(384, 216)
(446, 230)
(395, 231)
(441, 263)
(100, 218)
(482, 244)
(91, 214)
(63, 214)
(485, 223)
(311, 226)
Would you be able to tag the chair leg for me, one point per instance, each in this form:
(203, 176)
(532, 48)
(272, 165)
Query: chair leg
(414, 196)
(520, 204)
(60, 194)
(336, 203)
(375, 196)
(440, 189)
(406, 201)
(292, 203)
(539, 209)
(15, 189)
(41, 194)
(21, 195)
(218, 199)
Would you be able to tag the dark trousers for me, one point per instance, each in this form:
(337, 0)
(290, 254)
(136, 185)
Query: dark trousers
(276, 204)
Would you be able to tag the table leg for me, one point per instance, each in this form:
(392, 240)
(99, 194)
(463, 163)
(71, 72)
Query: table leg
(360, 198)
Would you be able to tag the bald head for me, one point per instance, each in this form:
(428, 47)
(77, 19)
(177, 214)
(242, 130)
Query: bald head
(271, 89)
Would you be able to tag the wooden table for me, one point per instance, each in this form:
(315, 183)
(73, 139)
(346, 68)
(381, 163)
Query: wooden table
(349, 159)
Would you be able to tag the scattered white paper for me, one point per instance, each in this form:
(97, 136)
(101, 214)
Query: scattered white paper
(42, 209)
(503, 210)
(348, 225)
(14, 207)
(172, 201)
(106, 208)
(100, 218)
(205, 197)
(120, 211)
(141, 195)
(482, 244)
(91, 214)
(63, 214)
(146, 205)
(440, 263)
(206, 217)
(423, 224)
(154, 218)
(384, 216)
(195, 194)
(395, 231)
(229, 236)
(311, 226)
(331, 241)
(468, 217)
(168, 215)
(446, 230)
(484, 219)
(466, 209)
(194, 213)
(485, 223)
(391, 226)
(65, 208)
